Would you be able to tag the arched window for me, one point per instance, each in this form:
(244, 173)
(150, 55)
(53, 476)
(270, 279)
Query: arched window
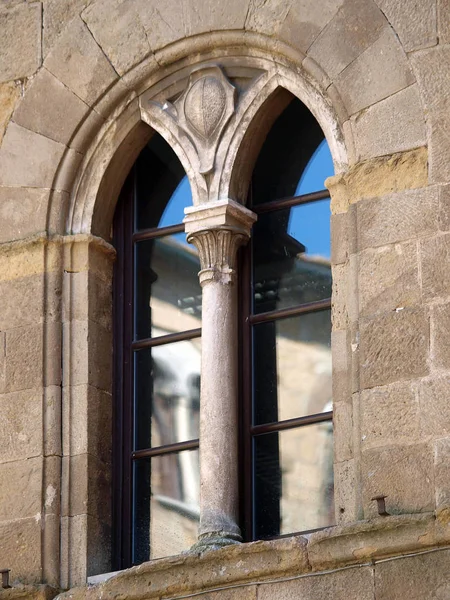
(284, 340)
(157, 363)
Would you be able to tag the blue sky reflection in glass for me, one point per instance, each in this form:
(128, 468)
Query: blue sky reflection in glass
(310, 223)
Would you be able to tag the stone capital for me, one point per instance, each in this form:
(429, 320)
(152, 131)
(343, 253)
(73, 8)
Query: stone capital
(217, 229)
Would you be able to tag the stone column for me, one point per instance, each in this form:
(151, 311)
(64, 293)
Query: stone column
(217, 229)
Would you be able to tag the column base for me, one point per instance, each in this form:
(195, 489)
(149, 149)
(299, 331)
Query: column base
(214, 541)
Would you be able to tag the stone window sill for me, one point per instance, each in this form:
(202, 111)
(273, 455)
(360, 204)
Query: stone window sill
(356, 543)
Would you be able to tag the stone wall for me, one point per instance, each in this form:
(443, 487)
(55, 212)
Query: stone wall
(375, 75)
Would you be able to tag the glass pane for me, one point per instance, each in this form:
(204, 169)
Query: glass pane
(291, 257)
(317, 170)
(167, 393)
(292, 367)
(166, 505)
(167, 290)
(285, 155)
(163, 190)
(294, 480)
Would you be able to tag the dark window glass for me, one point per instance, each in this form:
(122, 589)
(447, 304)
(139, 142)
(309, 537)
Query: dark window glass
(166, 497)
(294, 480)
(167, 393)
(162, 188)
(289, 332)
(291, 257)
(167, 290)
(292, 367)
(285, 155)
(158, 381)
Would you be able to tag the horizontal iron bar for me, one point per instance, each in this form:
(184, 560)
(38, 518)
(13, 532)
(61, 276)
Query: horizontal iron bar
(167, 449)
(166, 339)
(285, 313)
(290, 202)
(154, 232)
(291, 423)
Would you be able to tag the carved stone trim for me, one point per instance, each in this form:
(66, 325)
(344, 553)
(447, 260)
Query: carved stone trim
(217, 249)
(217, 230)
(203, 111)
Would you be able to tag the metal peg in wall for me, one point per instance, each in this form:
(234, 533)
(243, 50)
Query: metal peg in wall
(5, 578)
(381, 505)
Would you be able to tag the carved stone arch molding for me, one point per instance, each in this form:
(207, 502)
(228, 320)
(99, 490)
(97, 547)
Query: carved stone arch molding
(203, 108)
(208, 113)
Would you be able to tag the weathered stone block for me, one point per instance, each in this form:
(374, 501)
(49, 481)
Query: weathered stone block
(422, 577)
(87, 255)
(432, 69)
(80, 64)
(239, 593)
(413, 22)
(389, 278)
(215, 16)
(443, 18)
(341, 585)
(305, 20)
(389, 415)
(87, 297)
(87, 552)
(393, 125)
(23, 358)
(88, 350)
(57, 15)
(20, 549)
(440, 336)
(442, 472)
(434, 406)
(117, 28)
(25, 259)
(397, 217)
(24, 350)
(394, 347)
(340, 233)
(435, 254)
(20, 43)
(87, 422)
(21, 489)
(343, 431)
(439, 146)
(444, 208)
(50, 108)
(403, 474)
(86, 487)
(378, 177)
(339, 296)
(161, 22)
(9, 95)
(23, 212)
(266, 17)
(52, 420)
(20, 425)
(345, 491)
(379, 72)
(30, 300)
(28, 159)
(353, 29)
(341, 366)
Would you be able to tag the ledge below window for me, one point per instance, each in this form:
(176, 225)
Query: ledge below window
(363, 543)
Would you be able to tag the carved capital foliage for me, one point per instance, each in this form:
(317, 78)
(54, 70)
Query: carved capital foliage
(217, 230)
(203, 111)
(217, 250)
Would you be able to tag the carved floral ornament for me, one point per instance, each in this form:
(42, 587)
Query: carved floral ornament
(203, 111)
(194, 113)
